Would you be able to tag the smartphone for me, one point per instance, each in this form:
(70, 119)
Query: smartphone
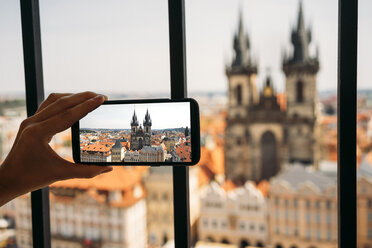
(139, 132)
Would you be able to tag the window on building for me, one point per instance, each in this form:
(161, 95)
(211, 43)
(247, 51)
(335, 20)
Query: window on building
(318, 235)
(205, 222)
(262, 228)
(242, 226)
(224, 224)
(239, 97)
(369, 203)
(369, 233)
(299, 91)
(308, 204)
(317, 217)
(308, 217)
(329, 218)
(329, 235)
(308, 233)
(295, 202)
(329, 204)
(276, 213)
(252, 227)
(214, 223)
(295, 215)
(296, 231)
(370, 216)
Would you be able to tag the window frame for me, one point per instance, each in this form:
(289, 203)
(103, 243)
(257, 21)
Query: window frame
(346, 117)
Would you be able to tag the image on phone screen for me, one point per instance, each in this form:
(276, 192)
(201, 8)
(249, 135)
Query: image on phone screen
(138, 132)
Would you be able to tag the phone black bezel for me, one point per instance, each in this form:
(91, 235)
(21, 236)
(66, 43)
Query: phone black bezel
(195, 134)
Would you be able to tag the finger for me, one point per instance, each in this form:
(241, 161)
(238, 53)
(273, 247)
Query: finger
(67, 118)
(50, 99)
(63, 103)
(71, 170)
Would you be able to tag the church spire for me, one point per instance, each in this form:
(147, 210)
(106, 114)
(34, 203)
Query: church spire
(134, 121)
(147, 120)
(241, 45)
(301, 39)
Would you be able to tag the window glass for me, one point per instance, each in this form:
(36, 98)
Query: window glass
(275, 144)
(121, 49)
(364, 127)
(15, 216)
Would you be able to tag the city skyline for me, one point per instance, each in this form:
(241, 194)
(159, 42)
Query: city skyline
(93, 46)
(119, 116)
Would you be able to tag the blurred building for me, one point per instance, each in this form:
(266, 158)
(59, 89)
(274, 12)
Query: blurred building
(261, 134)
(160, 222)
(234, 215)
(108, 211)
(303, 208)
(364, 202)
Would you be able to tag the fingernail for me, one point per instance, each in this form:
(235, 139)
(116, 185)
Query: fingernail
(99, 98)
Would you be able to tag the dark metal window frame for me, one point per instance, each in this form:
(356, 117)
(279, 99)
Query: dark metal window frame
(347, 81)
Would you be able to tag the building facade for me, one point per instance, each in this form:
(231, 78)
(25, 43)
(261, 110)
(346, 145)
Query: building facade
(131, 156)
(117, 152)
(152, 154)
(364, 203)
(140, 137)
(95, 153)
(303, 208)
(238, 216)
(260, 133)
(101, 213)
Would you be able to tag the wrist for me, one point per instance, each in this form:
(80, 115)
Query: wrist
(8, 191)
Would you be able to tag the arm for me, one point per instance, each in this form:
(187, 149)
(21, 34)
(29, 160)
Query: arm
(31, 163)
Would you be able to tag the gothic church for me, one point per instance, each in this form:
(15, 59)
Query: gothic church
(140, 137)
(261, 136)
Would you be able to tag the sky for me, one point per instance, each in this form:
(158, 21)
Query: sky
(119, 116)
(117, 46)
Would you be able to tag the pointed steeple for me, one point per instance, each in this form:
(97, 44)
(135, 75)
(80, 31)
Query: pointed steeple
(147, 120)
(301, 39)
(241, 45)
(134, 121)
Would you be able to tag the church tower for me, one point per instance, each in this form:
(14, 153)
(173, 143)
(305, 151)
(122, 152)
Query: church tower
(134, 123)
(147, 129)
(301, 92)
(242, 93)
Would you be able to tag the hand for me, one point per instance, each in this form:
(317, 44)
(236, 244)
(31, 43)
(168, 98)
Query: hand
(31, 163)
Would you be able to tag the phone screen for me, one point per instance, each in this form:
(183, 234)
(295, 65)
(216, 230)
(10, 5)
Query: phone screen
(139, 132)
